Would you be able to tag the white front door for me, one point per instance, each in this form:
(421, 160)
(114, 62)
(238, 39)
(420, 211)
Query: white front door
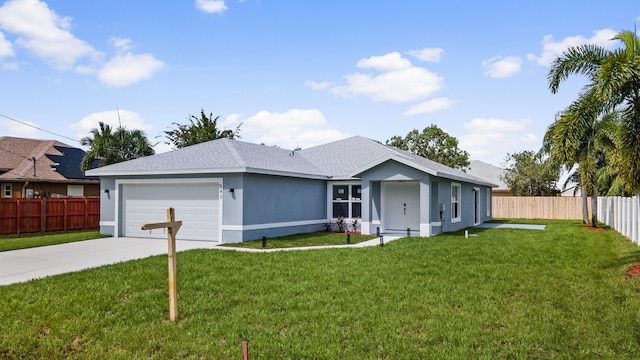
(402, 206)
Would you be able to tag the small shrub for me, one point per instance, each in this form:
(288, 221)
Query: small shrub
(328, 226)
(341, 223)
(355, 224)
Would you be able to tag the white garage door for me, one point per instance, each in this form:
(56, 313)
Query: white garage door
(197, 205)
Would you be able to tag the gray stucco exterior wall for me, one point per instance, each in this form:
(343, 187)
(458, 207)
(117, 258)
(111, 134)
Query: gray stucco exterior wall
(277, 206)
(466, 205)
(107, 206)
(276, 199)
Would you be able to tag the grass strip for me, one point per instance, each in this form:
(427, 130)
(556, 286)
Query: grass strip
(310, 239)
(560, 293)
(31, 240)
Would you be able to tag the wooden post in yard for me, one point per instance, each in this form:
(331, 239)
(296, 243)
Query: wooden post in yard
(172, 229)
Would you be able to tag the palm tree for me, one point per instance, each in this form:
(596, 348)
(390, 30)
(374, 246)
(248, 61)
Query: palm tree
(613, 84)
(113, 147)
(582, 136)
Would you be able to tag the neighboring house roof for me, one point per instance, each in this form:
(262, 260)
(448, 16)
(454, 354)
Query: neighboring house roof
(488, 172)
(571, 189)
(54, 161)
(341, 159)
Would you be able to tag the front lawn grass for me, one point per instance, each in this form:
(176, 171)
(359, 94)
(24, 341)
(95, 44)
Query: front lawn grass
(560, 293)
(30, 240)
(309, 239)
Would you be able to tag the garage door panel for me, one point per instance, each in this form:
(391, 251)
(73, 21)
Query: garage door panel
(197, 205)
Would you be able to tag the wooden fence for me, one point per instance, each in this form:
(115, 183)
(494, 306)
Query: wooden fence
(48, 214)
(537, 207)
(622, 214)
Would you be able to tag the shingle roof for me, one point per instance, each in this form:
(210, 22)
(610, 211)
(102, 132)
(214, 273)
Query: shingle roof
(218, 156)
(341, 159)
(17, 154)
(488, 172)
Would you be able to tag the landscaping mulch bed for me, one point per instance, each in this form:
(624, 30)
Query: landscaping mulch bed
(633, 270)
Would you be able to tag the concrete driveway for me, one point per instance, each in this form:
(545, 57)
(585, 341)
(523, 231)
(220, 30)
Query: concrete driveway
(27, 264)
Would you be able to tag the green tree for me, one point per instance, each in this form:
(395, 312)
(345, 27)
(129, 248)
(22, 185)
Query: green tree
(112, 147)
(580, 136)
(198, 130)
(434, 144)
(527, 174)
(614, 83)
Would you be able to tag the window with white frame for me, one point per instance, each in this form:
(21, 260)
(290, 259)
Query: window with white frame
(346, 200)
(456, 189)
(6, 190)
(75, 190)
(488, 190)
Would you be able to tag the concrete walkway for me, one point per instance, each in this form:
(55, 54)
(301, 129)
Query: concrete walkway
(511, 226)
(28, 264)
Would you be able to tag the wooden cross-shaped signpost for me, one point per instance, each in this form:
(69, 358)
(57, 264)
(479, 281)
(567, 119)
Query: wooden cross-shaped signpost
(172, 229)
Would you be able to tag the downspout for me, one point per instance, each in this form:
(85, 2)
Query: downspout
(24, 188)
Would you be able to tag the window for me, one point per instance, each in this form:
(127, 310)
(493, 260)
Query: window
(455, 202)
(346, 201)
(6, 190)
(75, 190)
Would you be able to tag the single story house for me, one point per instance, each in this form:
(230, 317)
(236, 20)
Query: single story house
(232, 191)
(42, 168)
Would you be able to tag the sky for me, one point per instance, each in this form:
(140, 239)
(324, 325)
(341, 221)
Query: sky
(297, 73)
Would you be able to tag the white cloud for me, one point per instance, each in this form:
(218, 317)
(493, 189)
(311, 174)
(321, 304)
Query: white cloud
(499, 67)
(551, 48)
(303, 128)
(6, 48)
(160, 147)
(47, 35)
(44, 33)
(230, 121)
(398, 80)
(497, 125)
(13, 128)
(318, 85)
(211, 6)
(389, 62)
(430, 106)
(122, 45)
(491, 139)
(11, 66)
(427, 54)
(130, 120)
(127, 69)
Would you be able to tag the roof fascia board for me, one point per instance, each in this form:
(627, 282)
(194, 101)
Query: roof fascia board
(470, 181)
(98, 172)
(396, 159)
(423, 169)
(286, 173)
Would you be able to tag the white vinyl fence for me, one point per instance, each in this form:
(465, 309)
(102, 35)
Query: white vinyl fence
(622, 214)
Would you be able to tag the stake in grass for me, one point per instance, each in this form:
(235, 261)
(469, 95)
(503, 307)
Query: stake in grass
(172, 229)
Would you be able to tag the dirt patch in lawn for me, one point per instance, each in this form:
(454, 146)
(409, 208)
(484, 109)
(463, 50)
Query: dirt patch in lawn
(595, 229)
(633, 271)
